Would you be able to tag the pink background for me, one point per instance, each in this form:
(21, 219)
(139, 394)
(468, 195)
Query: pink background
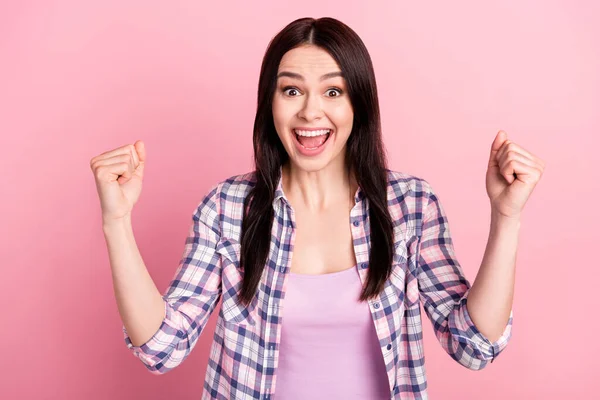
(80, 78)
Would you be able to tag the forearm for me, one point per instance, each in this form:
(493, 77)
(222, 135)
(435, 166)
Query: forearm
(490, 299)
(139, 302)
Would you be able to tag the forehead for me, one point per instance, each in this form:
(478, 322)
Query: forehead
(308, 60)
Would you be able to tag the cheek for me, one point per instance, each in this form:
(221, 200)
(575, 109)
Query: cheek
(280, 120)
(281, 112)
(342, 116)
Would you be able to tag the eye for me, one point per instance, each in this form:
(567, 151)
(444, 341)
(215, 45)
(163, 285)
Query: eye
(334, 90)
(292, 89)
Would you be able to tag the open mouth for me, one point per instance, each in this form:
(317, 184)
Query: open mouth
(312, 140)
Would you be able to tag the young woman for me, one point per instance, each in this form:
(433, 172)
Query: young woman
(322, 255)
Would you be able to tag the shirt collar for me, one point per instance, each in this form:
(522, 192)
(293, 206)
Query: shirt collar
(279, 188)
(279, 194)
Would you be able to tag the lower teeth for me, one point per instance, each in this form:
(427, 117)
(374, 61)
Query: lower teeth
(313, 148)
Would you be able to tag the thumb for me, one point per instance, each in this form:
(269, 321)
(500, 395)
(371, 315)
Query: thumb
(496, 145)
(141, 152)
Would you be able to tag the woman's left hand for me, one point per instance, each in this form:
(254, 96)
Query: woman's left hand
(512, 175)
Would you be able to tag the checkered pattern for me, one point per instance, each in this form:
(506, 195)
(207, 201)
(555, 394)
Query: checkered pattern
(245, 350)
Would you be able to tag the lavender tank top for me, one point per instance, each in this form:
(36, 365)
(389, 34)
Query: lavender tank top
(329, 348)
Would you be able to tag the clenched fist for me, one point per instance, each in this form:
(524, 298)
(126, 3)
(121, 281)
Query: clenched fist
(119, 175)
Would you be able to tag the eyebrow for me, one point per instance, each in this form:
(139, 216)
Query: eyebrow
(300, 77)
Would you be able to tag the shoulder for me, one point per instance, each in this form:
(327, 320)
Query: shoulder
(405, 187)
(402, 187)
(408, 196)
(222, 204)
(236, 187)
(232, 187)
(230, 192)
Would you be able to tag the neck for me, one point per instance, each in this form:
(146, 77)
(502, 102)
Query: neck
(318, 190)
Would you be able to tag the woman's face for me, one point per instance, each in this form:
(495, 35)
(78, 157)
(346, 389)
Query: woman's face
(311, 108)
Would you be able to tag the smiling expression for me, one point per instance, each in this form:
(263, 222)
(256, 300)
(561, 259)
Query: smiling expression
(311, 100)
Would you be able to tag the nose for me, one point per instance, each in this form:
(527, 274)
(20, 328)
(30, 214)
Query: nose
(312, 108)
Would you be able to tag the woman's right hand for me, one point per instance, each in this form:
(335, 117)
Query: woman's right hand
(119, 175)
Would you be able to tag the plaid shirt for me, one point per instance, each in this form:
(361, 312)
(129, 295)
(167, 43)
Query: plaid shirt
(245, 350)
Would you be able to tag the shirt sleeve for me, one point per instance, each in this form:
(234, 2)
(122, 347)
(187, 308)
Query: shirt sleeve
(191, 296)
(444, 289)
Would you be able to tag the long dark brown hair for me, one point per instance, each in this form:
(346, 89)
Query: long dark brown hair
(365, 152)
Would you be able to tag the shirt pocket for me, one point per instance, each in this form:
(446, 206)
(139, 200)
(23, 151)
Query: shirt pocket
(401, 278)
(232, 309)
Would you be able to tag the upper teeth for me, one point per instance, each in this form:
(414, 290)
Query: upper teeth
(312, 133)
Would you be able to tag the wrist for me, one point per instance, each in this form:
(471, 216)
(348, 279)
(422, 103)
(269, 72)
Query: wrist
(504, 220)
(112, 223)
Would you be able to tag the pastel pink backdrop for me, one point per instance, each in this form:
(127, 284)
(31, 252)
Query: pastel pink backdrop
(80, 78)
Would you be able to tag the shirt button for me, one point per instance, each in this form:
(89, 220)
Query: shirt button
(363, 265)
(389, 346)
(290, 224)
(376, 305)
(356, 223)
(281, 269)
